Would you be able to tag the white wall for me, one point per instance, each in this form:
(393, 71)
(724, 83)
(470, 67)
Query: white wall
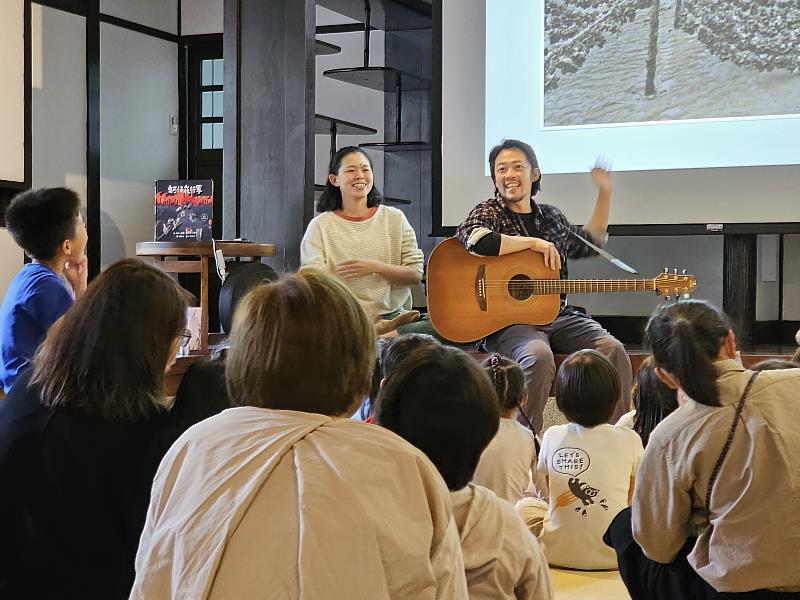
(139, 92)
(201, 16)
(58, 102)
(12, 91)
(158, 14)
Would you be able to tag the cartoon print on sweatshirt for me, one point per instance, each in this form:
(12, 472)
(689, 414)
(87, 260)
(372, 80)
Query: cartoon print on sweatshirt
(573, 462)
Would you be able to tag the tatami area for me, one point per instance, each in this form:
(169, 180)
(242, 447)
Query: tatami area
(588, 585)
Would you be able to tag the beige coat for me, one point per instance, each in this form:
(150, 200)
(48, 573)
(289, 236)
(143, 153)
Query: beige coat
(753, 540)
(502, 558)
(256, 503)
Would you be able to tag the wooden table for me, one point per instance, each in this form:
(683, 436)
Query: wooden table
(171, 257)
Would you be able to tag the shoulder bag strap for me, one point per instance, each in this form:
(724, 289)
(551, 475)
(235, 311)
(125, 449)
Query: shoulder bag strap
(728, 442)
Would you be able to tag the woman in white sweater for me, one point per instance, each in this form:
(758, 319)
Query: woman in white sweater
(371, 247)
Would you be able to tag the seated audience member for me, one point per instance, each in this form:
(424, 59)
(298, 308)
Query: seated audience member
(590, 466)
(48, 226)
(510, 458)
(283, 495)
(391, 351)
(370, 246)
(652, 400)
(440, 400)
(81, 436)
(771, 364)
(715, 508)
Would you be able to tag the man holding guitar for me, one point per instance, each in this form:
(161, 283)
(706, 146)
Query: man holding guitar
(513, 221)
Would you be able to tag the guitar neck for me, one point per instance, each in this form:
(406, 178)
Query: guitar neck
(584, 286)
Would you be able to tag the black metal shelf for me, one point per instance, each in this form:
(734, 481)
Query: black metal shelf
(325, 125)
(325, 49)
(387, 15)
(386, 200)
(396, 146)
(382, 79)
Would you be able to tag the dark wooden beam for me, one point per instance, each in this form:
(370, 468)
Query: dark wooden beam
(269, 49)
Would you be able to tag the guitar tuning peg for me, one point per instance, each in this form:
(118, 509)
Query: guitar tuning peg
(686, 296)
(668, 297)
(675, 271)
(666, 269)
(683, 271)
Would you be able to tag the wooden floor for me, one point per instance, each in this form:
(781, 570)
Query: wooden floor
(587, 585)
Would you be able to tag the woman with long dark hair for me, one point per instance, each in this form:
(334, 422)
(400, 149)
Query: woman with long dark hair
(717, 501)
(81, 435)
(368, 245)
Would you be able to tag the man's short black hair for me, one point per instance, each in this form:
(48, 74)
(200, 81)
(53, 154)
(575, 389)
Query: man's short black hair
(587, 388)
(442, 402)
(40, 220)
(511, 144)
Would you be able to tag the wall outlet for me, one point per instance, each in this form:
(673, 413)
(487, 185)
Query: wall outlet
(173, 125)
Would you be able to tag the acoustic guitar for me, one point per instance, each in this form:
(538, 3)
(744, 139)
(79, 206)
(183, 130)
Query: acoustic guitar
(470, 296)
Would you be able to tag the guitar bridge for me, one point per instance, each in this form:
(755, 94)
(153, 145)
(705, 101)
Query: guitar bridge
(480, 287)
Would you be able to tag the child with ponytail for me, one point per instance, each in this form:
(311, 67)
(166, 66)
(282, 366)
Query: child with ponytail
(716, 501)
(508, 462)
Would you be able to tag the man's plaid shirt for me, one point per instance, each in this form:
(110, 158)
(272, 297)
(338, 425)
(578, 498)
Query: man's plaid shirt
(493, 216)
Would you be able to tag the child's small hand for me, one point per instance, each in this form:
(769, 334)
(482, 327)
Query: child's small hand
(565, 499)
(77, 273)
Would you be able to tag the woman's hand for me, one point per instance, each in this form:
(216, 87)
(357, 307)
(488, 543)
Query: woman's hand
(352, 268)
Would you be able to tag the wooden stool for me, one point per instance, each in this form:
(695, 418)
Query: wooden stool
(199, 254)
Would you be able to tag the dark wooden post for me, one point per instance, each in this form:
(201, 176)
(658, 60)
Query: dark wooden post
(739, 283)
(652, 51)
(268, 164)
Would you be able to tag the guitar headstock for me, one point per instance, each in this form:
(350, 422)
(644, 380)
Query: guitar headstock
(674, 284)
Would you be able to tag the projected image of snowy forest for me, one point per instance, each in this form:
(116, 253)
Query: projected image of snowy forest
(622, 61)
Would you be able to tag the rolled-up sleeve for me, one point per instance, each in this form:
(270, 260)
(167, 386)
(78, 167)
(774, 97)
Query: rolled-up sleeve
(482, 221)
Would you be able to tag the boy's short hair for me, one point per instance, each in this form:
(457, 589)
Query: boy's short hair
(587, 388)
(399, 348)
(442, 402)
(40, 220)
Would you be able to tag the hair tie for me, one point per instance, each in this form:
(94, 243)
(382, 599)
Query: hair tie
(496, 367)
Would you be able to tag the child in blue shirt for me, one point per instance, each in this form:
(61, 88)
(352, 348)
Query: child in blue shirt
(48, 226)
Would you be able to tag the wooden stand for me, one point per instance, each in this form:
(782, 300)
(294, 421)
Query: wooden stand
(198, 255)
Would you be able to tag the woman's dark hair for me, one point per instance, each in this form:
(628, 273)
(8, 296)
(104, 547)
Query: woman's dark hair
(653, 400)
(442, 402)
(587, 388)
(40, 220)
(398, 349)
(508, 380)
(772, 364)
(108, 354)
(510, 144)
(684, 339)
(331, 197)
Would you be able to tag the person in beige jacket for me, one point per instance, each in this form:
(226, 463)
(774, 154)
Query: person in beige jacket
(440, 400)
(283, 496)
(717, 500)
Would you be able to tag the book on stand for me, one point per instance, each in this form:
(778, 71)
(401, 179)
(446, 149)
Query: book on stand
(183, 210)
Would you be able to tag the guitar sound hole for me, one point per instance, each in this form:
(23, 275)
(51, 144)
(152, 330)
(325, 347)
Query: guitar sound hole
(518, 287)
